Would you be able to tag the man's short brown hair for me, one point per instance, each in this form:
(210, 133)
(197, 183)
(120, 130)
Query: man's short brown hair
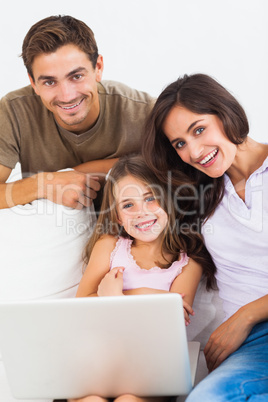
(49, 34)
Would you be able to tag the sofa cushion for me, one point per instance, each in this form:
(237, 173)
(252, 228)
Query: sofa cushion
(208, 315)
(41, 248)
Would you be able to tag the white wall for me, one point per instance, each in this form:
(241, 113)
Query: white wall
(149, 43)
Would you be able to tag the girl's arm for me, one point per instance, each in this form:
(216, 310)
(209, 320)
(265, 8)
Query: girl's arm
(185, 284)
(98, 266)
(230, 335)
(187, 281)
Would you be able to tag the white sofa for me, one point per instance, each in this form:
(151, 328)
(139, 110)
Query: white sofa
(41, 256)
(50, 238)
(208, 316)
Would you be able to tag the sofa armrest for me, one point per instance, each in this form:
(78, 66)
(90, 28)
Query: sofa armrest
(208, 315)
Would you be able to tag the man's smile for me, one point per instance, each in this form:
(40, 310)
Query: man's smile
(71, 106)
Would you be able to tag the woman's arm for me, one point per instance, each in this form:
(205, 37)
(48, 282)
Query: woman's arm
(230, 335)
(98, 266)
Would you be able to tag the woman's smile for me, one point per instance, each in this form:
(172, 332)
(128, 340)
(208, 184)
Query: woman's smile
(200, 140)
(209, 159)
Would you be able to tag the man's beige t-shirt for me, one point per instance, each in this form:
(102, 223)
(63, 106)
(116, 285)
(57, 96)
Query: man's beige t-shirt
(30, 135)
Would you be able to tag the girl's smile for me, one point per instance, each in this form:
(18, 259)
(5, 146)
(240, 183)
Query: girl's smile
(200, 141)
(143, 226)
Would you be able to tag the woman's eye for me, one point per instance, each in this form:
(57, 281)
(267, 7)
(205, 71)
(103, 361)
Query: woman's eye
(199, 130)
(180, 144)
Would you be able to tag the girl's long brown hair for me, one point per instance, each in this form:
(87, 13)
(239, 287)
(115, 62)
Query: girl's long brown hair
(178, 236)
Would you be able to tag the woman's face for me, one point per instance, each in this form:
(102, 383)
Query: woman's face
(200, 141)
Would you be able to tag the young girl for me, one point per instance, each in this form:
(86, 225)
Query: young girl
(197, 127)
(135, 248)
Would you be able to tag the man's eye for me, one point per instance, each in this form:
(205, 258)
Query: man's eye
(199, 130)
(77, 77)
(49, 83)
(180, 144)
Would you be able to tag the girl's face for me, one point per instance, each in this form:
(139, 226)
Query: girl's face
(200, 141)
(138, 211)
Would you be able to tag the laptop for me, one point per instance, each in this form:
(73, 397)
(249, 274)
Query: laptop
(107, 346)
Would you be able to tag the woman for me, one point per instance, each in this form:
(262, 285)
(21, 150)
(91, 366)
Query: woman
(198, 132)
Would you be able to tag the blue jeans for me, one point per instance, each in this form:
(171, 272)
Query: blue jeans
(243, 376)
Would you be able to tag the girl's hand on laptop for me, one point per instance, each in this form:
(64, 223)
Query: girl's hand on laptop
(112, 283)
(187, 311)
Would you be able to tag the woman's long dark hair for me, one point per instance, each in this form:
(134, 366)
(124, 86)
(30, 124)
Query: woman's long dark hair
(200, 94)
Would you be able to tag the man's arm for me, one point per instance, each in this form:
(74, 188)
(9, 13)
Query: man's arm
(74, 189)
(99, 167)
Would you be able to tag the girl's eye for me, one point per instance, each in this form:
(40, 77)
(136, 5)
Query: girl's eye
(127, 205)
(199, 130)
(150, 199)
(180, 144)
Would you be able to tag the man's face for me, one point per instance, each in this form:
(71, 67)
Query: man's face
(67, 85)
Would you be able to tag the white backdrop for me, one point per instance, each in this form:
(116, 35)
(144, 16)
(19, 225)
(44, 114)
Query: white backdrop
(148, 43)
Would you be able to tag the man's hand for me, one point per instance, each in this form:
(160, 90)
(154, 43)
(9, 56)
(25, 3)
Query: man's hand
(73, 189)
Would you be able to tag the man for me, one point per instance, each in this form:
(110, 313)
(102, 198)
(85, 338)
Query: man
(66, 118)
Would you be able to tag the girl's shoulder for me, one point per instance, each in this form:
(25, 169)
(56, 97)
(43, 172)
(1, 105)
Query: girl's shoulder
(183, 258)
(182, 261)
(190, 262)
(107, 241)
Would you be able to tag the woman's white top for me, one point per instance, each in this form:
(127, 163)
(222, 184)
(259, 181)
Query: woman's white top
(237, 238)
